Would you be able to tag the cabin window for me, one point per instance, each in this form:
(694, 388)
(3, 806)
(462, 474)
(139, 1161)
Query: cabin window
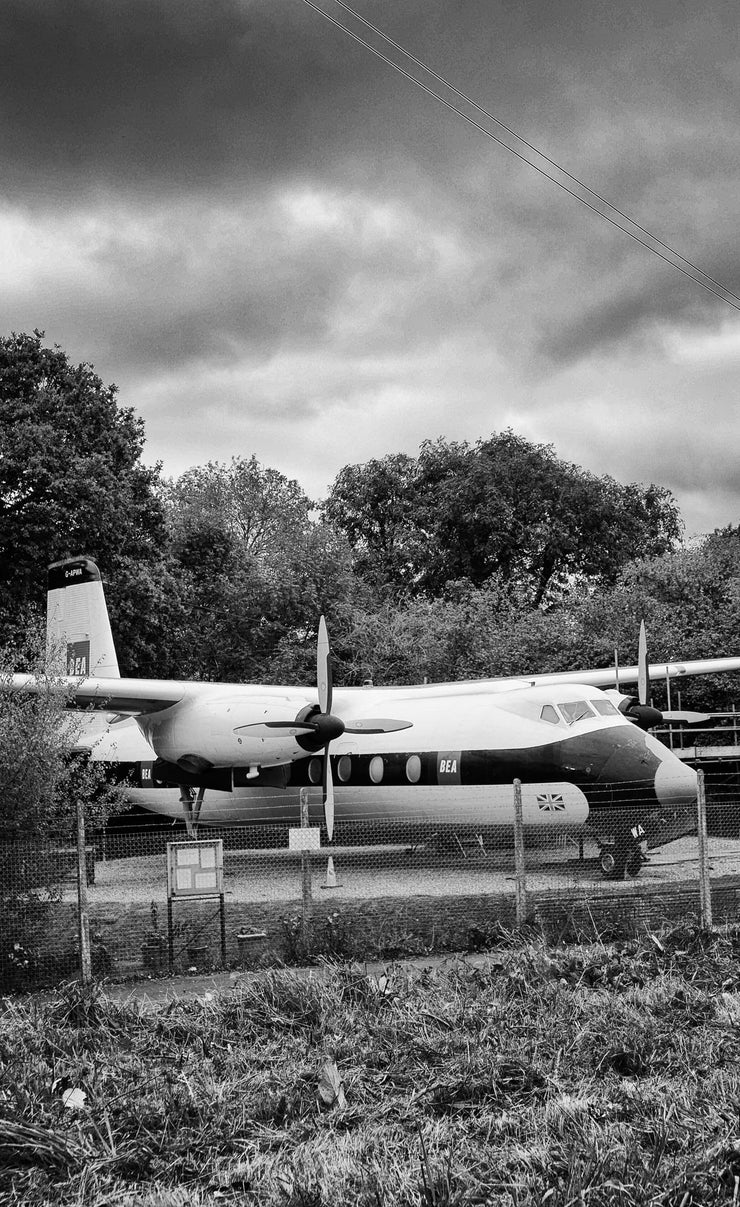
(605, 708)
(314, 771)
(575, 710)
(344, 768)
(413, 769)
(376, 769)
(550, 714)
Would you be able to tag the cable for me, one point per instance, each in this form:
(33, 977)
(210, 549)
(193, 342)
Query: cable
(581, 184)
(725, 296)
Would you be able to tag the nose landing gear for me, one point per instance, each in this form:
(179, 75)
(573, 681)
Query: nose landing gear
(623, 857)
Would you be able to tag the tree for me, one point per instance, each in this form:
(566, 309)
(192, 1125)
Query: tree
(373, 505)
(42, 770)
(503, 508)
(254, 568)
(690, 600)
(260, 510)
(509, 507)
(43, 781)
(71, 478)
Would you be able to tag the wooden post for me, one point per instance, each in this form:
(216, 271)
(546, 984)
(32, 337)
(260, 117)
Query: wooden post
(306, 887)
(222, 917)
(705, 885)
(83, 916)
(170, 936)
(519, 866)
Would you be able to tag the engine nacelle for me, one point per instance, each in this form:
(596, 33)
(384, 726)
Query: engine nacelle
(224, 731)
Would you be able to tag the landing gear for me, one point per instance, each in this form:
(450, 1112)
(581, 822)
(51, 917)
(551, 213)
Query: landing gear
(622, 859)
(191, 807)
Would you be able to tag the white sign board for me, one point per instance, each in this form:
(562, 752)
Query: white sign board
(304, 838)
(195, 869)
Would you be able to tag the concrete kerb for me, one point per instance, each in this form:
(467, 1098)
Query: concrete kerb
(153, 994)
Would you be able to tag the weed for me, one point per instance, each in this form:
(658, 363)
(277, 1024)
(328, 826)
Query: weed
(600, 1074)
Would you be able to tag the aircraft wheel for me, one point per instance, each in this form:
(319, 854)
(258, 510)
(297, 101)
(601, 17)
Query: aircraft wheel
(608, 862)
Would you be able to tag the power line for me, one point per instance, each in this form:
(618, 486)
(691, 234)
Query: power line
(726, 295)
(581, 184)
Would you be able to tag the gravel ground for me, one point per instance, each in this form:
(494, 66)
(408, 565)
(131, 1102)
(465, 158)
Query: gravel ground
(365, 873)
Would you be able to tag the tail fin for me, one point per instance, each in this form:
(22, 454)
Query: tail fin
(78, 633)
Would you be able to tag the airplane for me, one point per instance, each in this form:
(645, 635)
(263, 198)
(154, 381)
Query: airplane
(237, 754)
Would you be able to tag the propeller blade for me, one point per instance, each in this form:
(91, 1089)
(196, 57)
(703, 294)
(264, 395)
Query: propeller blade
(293, 726)
(688, 718)
(643, 679)
(328, 786)
(376, 725)
(323, 668)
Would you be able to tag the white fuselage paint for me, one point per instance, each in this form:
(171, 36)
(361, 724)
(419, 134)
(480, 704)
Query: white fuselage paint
(452, 720)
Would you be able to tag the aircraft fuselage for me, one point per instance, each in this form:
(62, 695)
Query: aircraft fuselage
(577, 756)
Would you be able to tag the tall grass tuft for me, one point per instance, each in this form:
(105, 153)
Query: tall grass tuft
(603, 1075)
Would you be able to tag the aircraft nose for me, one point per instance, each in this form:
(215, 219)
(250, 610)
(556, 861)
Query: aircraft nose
(627, 755)
(675, 782)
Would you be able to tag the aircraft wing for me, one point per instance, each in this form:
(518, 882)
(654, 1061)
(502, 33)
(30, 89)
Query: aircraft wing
(607, 676)
(136, 697)
(127, 697)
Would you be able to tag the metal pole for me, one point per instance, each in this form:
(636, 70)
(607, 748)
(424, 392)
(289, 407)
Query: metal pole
(306, 890)
(519, 866)
(83, 915)
(705, 885)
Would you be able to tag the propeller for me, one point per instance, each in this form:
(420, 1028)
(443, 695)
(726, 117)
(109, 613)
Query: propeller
(640, 711)
(316, 727)
(324, 683)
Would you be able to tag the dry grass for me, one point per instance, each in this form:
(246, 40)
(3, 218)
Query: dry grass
(591, 1075)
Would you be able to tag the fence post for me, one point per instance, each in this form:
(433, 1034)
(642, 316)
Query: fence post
(519, 865)
(306, 892)
(705, 885)
(83, 916)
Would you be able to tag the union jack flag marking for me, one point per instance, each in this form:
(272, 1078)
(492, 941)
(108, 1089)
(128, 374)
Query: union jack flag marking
(551, 802)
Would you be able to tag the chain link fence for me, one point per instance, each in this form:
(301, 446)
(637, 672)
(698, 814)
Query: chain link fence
(383, 888)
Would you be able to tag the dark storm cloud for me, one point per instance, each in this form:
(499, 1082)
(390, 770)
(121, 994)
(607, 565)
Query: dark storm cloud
(232, 209)
(187, 92)
(160, 95)
(177, 98)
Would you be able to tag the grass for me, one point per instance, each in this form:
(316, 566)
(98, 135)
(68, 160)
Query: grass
(537, 1078)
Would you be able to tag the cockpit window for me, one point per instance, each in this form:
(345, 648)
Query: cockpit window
(575, 710)
(550, 714)
(605, 708)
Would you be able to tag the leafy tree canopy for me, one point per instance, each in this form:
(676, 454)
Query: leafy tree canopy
(42, 777)
(254, 567)
(255, 509)
(71, 479)
(503, 507)
(689, 599)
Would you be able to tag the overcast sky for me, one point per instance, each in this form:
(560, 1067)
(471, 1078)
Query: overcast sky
(273, 243)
